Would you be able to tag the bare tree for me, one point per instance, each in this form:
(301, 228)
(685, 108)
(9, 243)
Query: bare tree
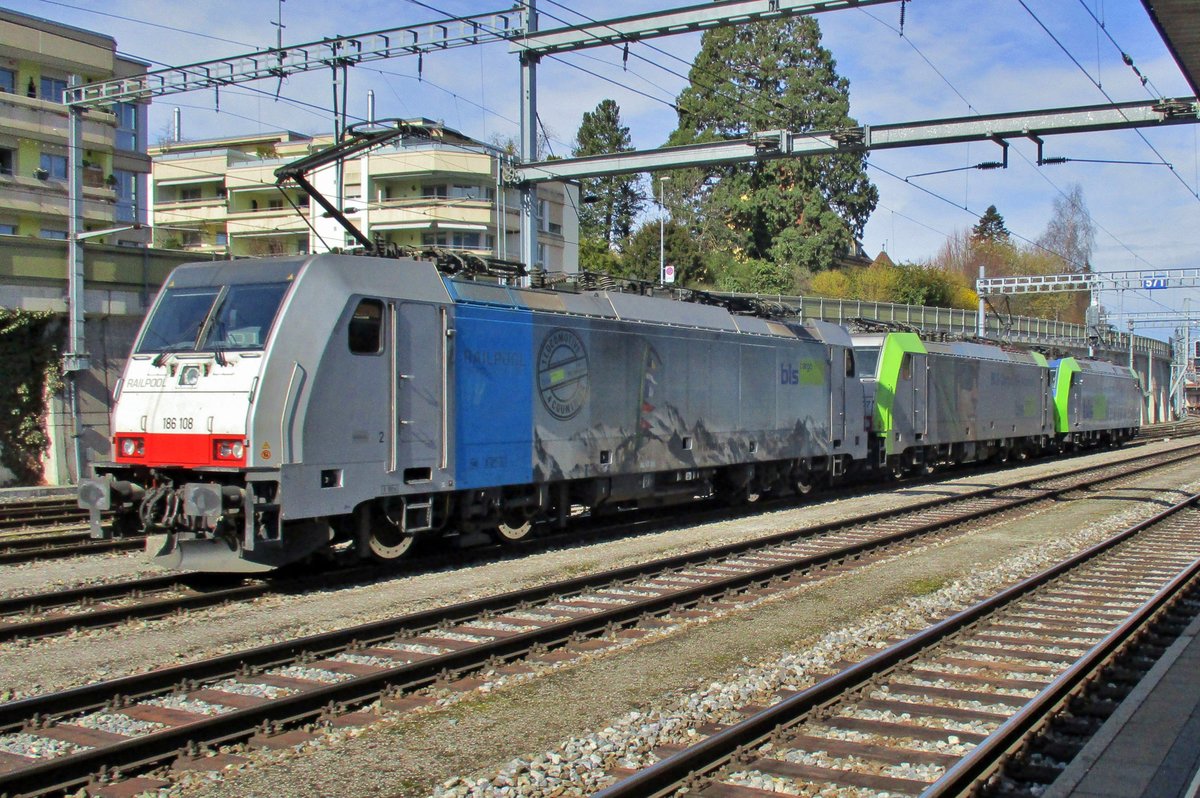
(1070, 233)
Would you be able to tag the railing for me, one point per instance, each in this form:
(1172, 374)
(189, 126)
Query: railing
(1020, 329)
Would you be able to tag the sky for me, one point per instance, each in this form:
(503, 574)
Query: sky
(955, 58)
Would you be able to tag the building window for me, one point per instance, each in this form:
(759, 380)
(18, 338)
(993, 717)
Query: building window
(544, 216)
(53, 89)
(471, 192)
(457, 240)
(275, 205)
(433, 192)
(8, 80)
(541, 256)
(8, 160)
(222, 239)
(54, 165)
(189, 194)
(8, 229)
(126, 188)
(58, 235)
(127, 125)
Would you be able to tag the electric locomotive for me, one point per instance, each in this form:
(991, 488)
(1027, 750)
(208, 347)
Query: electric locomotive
(276, 408)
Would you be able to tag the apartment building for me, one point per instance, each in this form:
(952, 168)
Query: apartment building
(220, 196)
(38, 59)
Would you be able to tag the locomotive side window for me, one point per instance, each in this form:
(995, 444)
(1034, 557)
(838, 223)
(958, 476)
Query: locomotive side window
(849, 362)
(906, 368)
(366, 328)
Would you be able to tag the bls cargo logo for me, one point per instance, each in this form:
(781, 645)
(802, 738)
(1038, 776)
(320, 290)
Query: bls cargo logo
(807, 372)
(563, 374)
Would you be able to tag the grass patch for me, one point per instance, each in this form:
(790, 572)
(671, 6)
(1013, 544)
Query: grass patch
(923, 587)
(578, 569)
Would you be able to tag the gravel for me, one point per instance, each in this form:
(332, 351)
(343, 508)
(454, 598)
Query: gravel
(25, 744)
(648, 695)
(117, 723)
(29, 578)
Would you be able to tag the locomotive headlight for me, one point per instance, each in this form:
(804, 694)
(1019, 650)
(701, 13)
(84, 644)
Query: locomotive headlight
(229, 449)
(132, 447)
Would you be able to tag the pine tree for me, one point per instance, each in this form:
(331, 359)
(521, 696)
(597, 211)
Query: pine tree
(799, 213)
(611, 202)
(990, 227)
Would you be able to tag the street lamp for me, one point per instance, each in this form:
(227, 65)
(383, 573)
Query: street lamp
(662, 215)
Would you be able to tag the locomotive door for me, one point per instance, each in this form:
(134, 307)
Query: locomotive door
(418, 381)
(1074, 405)
(841, 368)
(918, 365)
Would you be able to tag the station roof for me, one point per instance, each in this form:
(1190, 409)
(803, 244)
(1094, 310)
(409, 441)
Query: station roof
(1179, 25)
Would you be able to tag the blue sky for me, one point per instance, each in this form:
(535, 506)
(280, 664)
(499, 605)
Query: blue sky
(956, 58)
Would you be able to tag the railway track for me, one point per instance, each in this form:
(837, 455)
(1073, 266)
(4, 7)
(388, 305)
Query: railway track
(58, 741)
(21, 515)
(1183, 428)
(940, 713)
(35, 515)
(57, 612)
(52, 547)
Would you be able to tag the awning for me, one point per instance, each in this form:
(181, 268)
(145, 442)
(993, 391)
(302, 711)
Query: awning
(189, 181)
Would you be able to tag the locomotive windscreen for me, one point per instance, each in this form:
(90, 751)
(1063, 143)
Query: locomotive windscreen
(209, 318)
(867, 358)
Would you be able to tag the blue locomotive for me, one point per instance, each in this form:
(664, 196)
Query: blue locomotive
(277, 408)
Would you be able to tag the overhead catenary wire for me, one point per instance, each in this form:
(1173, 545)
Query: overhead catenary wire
(1040, 172)
(561, 5)
(1147, 84)
(1075, 61)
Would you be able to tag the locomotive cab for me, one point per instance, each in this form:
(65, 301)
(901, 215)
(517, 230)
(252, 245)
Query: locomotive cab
(181, 463)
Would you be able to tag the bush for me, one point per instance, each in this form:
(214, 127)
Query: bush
(29, 372)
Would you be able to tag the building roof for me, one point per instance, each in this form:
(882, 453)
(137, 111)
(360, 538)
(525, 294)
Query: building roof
(1179, 25)
(59, 29)
(282, 136)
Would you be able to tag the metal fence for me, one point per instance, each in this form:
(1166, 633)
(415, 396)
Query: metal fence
(1018, 329)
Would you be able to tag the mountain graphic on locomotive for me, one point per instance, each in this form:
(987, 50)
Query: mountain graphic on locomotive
(276, 409)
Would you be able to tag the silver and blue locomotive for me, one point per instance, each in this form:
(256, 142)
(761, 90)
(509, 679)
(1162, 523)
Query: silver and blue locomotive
(277, 407)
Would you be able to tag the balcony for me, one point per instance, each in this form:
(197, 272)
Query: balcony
(263, 222)
(43, 120)
(28, 195)
(184, 212)
(410, 213)
(409, 163)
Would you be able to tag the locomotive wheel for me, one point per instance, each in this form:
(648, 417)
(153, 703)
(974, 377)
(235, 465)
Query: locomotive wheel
(389, 543)
(512, 530)
(803, 485)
